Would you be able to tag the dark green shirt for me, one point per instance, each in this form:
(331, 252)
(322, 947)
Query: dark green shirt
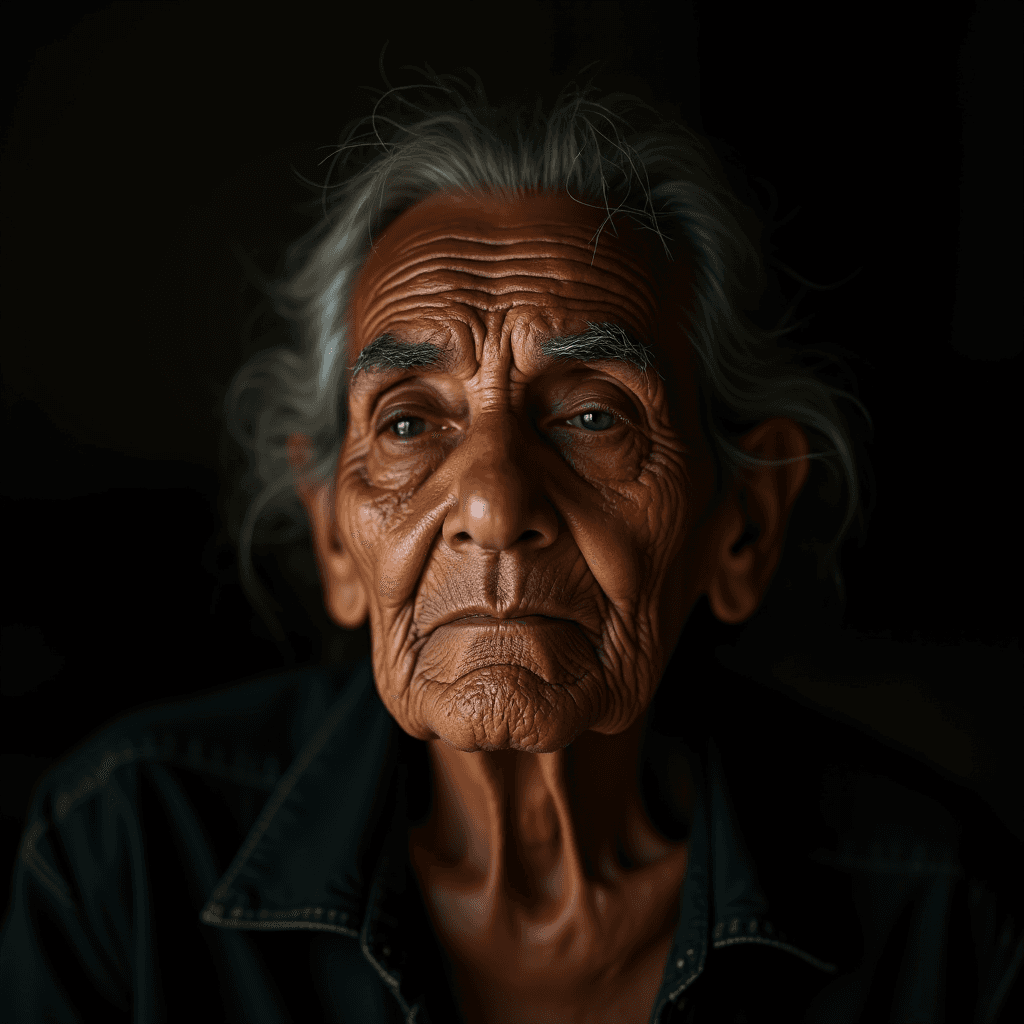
(242, 856)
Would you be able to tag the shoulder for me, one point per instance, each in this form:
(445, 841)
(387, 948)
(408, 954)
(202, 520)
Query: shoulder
(858, 790)
(238, 737)
(221, 730)
(211, 758)
(883, 859)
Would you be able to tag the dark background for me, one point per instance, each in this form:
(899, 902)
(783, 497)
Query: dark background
(147, 145)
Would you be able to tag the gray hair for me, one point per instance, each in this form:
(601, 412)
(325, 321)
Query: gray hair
(608, 153)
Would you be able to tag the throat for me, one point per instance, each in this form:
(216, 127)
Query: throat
(544, 870)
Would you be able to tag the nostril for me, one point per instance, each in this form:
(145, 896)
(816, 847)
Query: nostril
(462, 537)
(528, 535)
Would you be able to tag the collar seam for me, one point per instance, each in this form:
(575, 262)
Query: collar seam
(103, 766)
(281, 792)
(760, 940)
(210, 915)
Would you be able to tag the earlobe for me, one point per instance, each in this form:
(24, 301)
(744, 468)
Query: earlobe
(344, 594)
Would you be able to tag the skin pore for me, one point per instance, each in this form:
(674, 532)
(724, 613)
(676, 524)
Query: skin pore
(527, 535)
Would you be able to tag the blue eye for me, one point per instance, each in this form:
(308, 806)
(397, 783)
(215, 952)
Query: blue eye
(593, 419)
(407, 426)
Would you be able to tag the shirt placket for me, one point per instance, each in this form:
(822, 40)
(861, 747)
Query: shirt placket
(391, 940)
(690, 945)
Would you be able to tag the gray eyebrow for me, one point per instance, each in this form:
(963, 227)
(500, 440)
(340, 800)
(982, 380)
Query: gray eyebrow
(599, 342)
(388, 353)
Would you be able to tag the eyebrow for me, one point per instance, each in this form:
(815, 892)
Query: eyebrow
(604, 341)
(388, 353)
(600, 342)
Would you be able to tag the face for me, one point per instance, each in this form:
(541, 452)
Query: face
(526, 530)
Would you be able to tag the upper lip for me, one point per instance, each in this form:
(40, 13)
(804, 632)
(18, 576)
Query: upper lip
(482, 611)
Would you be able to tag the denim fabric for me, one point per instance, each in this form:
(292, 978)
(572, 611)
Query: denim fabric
(243, 856)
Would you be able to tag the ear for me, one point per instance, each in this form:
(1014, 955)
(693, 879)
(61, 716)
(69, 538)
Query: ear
(750, 528)
(344, 594)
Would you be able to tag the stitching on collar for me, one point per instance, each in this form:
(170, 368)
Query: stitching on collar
(761, 940)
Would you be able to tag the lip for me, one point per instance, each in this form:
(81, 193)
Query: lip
(539, 615)
(496, 620)
(490, 616)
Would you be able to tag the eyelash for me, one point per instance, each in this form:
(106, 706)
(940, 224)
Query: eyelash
(389, 421)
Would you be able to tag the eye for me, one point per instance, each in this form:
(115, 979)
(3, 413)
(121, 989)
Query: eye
(593, 419)
(407, 426)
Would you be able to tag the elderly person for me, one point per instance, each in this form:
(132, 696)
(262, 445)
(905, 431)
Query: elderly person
(531, 430)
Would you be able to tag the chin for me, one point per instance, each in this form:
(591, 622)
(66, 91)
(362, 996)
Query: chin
(506, 707)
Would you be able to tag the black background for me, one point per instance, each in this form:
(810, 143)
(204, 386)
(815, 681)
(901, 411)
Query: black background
(147, 145)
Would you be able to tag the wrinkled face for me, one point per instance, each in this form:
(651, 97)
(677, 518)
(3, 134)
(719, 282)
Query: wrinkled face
(523, 502)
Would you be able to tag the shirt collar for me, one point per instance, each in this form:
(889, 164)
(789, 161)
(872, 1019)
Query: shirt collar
(308, 860)
(329, 853)
(722, 902)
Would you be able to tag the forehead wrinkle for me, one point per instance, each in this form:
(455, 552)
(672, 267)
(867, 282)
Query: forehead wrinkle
(490, 250)
(535, 268)
(437, 289)
(619, 263)
(409, 258)
(487, 232)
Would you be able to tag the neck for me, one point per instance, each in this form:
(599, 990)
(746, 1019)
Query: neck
(535, 854)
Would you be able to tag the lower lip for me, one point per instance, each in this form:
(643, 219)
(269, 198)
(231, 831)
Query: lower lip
(546, 646)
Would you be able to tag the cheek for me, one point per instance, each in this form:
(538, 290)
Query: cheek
(404, 466)
(628, 534)
(389, 532)
(601, 460)
(362, 525)
(364, 512)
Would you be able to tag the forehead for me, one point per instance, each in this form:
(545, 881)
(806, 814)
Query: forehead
(549, 260)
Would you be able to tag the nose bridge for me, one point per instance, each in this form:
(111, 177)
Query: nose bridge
(498, 445)
(498, 498)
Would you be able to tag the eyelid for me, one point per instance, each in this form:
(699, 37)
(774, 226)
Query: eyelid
(387, 392)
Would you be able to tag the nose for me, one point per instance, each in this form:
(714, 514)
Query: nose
(499, 502)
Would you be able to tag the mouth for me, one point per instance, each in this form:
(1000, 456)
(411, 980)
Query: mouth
(492, 621)
(485, 618)
(506, 638)
(548, 617)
